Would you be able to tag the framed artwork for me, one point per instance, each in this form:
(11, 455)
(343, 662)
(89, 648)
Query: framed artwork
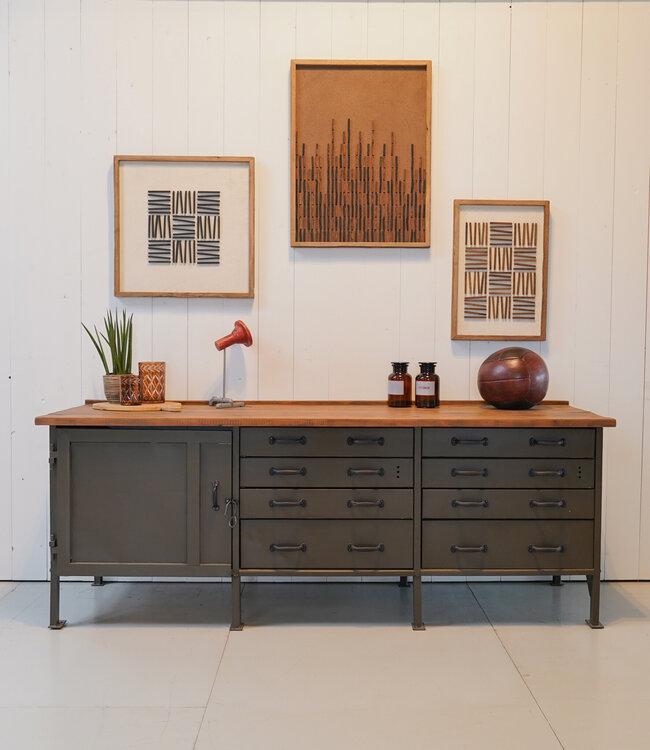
(184, 226)
(361, 153)
(500, 270)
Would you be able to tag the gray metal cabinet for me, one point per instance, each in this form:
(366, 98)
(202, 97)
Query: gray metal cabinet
(327, 500)
(139, 502)
(512, 501)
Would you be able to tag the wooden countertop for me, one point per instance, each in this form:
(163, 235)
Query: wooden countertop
(333, 414)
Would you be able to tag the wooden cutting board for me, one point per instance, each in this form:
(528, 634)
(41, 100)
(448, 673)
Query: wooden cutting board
(162, 406)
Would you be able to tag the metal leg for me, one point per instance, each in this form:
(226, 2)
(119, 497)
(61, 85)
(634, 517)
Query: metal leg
(236, 623)
(99, 581)
(404, 581)
(593, 583)
(55, 584)
(417, 623)
(557, 581)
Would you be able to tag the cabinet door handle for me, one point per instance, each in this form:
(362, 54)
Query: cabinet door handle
(470, 441)
(547, 473)
(535, 548)
(541, 441)
(366, 472)
(469, 472)
(302, 440)
(365, 547)
(365, 441)
(288, 547)
(288, 503)
(460, 548)
(365, 503)
(534, 503)
(273, 471)
(215, 495)
(469, 503)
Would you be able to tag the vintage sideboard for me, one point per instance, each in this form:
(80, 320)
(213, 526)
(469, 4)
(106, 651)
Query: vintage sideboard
(327, 489)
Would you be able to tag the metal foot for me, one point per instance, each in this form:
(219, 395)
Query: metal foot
(557, 581)
(597, 626)
(99, 581)
(237, 628)
(418, 627)
(404, 582)
(58, 625)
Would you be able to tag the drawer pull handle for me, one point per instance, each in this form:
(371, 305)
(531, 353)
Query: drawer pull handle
(287, 472)
(469, 441)
(302, 440)
(215, 495)
(459, 548)
(365, 472)
(365, 503)
(537, 441)
(288, 548)
(365, 441)
(469, 472)
(469, 503)
(534, 503)
(547, 473)
(287, 503)
(365, 547)
(535, 548)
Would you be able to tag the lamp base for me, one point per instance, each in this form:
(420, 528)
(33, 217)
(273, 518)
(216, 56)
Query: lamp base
(220, 402)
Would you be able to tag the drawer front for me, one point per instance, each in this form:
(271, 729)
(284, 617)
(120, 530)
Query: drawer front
(514, 442)
(326, 441)
(507, 545)
(326, 472)
(382, 545)
(530, 504)
(508, 472)
(341, 503)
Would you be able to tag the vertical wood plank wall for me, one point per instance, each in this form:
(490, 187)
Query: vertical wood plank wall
(530, 100)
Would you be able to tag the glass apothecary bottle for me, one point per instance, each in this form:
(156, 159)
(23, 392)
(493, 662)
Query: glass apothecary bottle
(399, 385)
(427, 386)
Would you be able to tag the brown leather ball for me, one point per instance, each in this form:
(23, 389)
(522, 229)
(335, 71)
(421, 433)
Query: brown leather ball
(513, 378)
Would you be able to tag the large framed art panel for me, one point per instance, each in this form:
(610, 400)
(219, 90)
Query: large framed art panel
(500, 270)
(360, 153)
(184, 226)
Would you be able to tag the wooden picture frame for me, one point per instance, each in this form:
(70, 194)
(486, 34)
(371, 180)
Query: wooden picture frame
(360, 153)
(184, 226)
(500, 271)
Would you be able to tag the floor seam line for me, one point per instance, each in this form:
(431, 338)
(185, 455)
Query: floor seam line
(214, 682)
(512, 661)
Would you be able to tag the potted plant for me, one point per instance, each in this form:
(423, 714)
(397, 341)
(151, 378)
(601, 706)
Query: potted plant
(118, 335)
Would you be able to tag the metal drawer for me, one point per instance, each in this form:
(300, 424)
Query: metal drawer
(514, 442)
(508, 472)
(358, 545)
(507, 545)
(341, 503)
(326, 472)
(528, 504)
(326, 441)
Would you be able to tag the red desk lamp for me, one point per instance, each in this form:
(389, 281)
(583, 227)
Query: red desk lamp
(239, 335)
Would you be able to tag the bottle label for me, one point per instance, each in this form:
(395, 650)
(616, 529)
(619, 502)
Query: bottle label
(395, 387)
(425, 388)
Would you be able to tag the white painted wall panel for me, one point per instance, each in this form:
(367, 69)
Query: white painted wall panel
(629, 285)
(530, 100)
(5, 304)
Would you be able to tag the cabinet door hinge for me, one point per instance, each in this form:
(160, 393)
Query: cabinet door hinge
(53, 457)
(53, 542)
(230, 511)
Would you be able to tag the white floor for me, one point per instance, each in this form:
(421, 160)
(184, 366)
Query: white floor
(324, 667)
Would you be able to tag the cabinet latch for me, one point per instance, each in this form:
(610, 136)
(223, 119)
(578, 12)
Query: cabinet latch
(230, 511)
